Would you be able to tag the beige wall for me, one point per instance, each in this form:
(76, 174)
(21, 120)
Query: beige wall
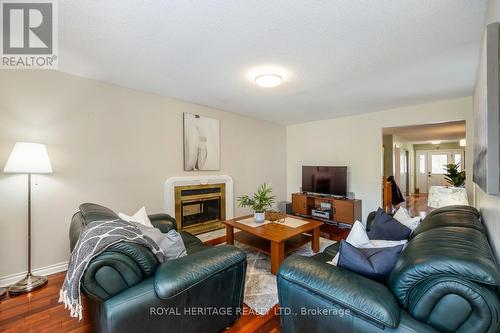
(489, 205)
(357, 142)
(112, 146)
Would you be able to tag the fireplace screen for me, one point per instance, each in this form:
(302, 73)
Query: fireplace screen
(200, 208)
(200, 211)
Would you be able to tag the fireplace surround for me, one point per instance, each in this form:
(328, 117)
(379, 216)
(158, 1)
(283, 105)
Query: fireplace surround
(199, 203)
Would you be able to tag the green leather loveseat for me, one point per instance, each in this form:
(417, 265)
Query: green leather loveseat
(129, 291)
(446, 280)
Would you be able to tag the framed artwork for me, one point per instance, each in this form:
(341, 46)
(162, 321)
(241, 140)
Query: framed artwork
(201, 143)
(486, 171)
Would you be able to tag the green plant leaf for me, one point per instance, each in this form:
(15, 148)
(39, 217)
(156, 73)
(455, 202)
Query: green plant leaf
(453, 175)
(260, 200)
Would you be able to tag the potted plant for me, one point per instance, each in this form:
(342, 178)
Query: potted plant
(261, 200)
(454, 176)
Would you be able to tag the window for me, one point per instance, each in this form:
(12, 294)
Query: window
(458, 160)
(438, 162)
(421, 163)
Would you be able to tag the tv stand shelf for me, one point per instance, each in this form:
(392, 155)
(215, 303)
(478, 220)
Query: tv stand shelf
(345, 211)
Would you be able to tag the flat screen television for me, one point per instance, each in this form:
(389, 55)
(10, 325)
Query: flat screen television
(330, 180)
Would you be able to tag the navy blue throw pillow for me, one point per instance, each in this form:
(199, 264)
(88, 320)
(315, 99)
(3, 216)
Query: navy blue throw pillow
(387, 228)
(373, 263)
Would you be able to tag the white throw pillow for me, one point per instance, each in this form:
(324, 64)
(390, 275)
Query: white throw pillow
(140, 217)
(402, 214)
(405, 219)
(359, 238)
(378, 243)
(412, 223)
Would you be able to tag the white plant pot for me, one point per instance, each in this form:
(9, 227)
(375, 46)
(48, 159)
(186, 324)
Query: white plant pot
(259, 217)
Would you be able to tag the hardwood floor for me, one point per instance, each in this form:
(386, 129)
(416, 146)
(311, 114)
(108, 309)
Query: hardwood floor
(40, 311)
(416, 203)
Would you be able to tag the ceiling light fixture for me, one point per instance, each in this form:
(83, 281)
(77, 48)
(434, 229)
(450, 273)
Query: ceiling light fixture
(462, 143)
(435, 142)
(268, 80)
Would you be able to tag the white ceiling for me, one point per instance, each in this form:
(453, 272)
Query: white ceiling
(342, 57)
(445, 132)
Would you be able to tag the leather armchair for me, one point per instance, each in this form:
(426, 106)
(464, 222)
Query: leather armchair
(129, 291)
(445, 281)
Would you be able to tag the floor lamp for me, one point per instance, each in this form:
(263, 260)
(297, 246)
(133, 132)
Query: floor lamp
(28, 158)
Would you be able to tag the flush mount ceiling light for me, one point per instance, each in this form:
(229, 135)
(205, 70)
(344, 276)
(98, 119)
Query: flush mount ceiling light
(268, 75)
(268, 80)
(435, 142)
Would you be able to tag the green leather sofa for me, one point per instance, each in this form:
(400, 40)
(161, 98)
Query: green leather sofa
(129, 291)
(446, 280)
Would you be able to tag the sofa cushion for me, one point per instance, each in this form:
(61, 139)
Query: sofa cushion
(93, 212)
(374, 263)
(463, 253)
(388, 228)
(448, 218)
(368, 299)
(141, 255)
(175, 276)
(456, 208)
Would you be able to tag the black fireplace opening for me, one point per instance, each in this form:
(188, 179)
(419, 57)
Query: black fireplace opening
(200, 211)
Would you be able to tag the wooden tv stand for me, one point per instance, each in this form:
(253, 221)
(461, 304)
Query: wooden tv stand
(345, 211)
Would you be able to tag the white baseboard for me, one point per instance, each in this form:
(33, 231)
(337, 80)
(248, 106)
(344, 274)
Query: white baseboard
(47, 270)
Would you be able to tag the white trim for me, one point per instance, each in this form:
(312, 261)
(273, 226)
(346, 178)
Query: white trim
(47, 270)
(172, 182)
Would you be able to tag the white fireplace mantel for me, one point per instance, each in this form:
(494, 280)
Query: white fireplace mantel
(172, 182)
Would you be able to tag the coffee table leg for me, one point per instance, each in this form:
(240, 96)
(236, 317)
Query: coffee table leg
(229, 235)
(277, 256)
(315, 240)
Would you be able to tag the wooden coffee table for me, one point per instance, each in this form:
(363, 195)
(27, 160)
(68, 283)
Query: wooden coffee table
(274, 238)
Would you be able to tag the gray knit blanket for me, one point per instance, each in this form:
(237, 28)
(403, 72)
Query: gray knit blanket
(96, 237)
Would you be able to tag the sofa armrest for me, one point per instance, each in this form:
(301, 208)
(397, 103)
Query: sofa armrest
(119, 267)
(174, 277)
(365, 297)
(162, 221)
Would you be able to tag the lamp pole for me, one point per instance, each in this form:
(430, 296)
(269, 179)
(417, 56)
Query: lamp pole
(29, 224)
(30, 281)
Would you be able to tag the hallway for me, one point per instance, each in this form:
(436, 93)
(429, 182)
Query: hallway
(416, 203)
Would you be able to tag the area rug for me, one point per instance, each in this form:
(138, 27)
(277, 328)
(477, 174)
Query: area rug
(261, 292)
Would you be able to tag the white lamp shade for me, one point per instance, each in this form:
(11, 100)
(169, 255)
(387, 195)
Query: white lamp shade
(28, 157)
